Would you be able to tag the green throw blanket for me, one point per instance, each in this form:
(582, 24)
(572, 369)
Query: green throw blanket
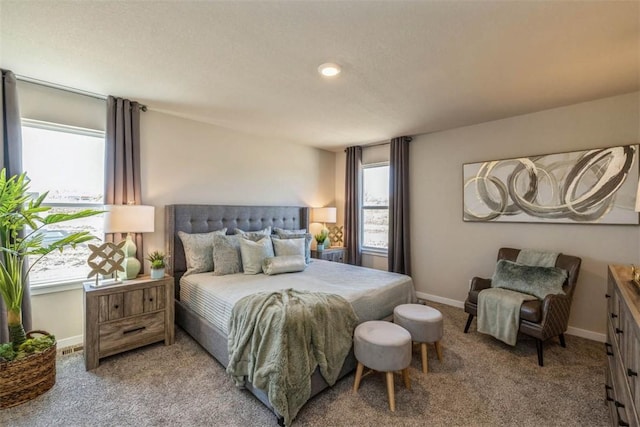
(536, 258)
(277, 339)
(499, 313)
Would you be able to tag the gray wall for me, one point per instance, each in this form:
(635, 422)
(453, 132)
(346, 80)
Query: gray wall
(447, 252)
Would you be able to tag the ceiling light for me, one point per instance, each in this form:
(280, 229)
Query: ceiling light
(329, 69)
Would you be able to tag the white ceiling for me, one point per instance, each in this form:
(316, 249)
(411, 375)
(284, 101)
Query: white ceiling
(408, 67)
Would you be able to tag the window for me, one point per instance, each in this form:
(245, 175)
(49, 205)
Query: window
(69, 163)
(375, 207)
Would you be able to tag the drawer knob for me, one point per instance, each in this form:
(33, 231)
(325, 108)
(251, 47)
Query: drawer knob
(608, 346)
(606, 392)
(618, 404)
(631, 373)
(623, 423)
(613, 315)
(116, 306)
(607, 296)
(618, 331)
(150, 299)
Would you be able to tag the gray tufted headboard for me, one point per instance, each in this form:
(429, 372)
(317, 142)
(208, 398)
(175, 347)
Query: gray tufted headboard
(206, 218)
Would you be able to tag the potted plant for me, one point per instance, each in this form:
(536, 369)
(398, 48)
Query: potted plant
(21, 237)
(157, 264)
(320, 239)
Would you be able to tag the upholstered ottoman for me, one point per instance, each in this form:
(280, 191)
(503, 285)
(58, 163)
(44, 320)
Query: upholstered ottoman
(424, 324)
(384, 347)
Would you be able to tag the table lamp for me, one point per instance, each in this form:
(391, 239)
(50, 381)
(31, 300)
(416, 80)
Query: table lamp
(129, 219)
(324, 215)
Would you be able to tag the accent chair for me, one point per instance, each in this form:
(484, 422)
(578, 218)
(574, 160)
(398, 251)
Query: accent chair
(541, 319)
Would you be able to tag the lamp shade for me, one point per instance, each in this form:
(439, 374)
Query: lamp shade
(129, 219)
(323, 215)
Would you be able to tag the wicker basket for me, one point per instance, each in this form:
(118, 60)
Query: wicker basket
(25, 379)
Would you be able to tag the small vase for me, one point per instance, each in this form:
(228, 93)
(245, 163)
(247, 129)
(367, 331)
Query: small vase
(157, 273)
(320, 247)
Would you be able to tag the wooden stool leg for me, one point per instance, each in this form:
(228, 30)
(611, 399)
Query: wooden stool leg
(391, 392)
(439, 350)
(356, 384)
(423, 348)
(405, 377)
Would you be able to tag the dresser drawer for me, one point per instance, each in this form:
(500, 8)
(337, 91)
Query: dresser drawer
(131, 332)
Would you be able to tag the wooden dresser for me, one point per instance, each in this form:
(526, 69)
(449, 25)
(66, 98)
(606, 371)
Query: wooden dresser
(335, 254)
(622, 388)
(126, 316)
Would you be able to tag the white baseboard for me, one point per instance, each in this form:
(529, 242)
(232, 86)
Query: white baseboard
(442, 300)
(583, 333)
(70, 342)
(577, 332)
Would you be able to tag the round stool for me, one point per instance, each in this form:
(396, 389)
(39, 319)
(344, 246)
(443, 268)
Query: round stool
(385, 347)
(424, 324)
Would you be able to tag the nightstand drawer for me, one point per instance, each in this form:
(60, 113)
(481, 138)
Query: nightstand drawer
(132, 332)
(335, 254)
(131, 303)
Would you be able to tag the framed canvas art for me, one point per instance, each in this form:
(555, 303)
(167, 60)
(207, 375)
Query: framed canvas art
(583, 187)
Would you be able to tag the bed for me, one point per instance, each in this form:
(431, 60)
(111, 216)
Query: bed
(203, 302)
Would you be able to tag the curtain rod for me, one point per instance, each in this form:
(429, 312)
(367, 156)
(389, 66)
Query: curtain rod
(67, 89)
(375, 144)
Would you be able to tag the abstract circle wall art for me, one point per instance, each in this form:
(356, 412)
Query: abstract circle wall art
(583, 187)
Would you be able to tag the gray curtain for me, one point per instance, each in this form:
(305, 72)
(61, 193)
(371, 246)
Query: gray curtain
(122, 159)
(399, 251)
(352, 205)
(12, 161)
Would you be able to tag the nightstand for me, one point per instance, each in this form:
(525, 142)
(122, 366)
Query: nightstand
(125, 316)
(335, 254)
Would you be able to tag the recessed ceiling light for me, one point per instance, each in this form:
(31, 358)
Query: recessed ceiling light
(329, 69)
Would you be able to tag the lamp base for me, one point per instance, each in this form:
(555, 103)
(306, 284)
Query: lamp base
(130, 263)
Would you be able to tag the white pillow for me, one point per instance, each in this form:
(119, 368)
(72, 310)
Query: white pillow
(198, 250)
(308, 239)
(283, 264)
(284, 247)
(254, 253)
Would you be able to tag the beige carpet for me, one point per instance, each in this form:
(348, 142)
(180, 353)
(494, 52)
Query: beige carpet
(481, 382)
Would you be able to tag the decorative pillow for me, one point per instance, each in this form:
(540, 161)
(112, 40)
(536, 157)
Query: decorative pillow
(254, 253)
(532, 280)
(279, 231)
(283, 264)
(308, 238)
(226, 255)
(254, 235)
(284, 247)
(198, 250)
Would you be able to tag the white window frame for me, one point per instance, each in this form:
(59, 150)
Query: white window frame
(45, 287)
(369, 249)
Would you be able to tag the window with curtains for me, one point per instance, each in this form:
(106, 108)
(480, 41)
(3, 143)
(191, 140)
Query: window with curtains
(375, 207)
(68, 162)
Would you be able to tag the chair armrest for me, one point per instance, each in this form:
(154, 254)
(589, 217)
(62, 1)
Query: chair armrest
(478, 284)
(555, 314)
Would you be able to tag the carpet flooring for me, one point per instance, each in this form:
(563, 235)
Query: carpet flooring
(481, 382)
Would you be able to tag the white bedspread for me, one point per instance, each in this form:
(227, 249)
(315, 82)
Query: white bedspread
(372, 293)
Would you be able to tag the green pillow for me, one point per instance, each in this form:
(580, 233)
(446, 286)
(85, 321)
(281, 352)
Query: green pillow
(532, 280)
